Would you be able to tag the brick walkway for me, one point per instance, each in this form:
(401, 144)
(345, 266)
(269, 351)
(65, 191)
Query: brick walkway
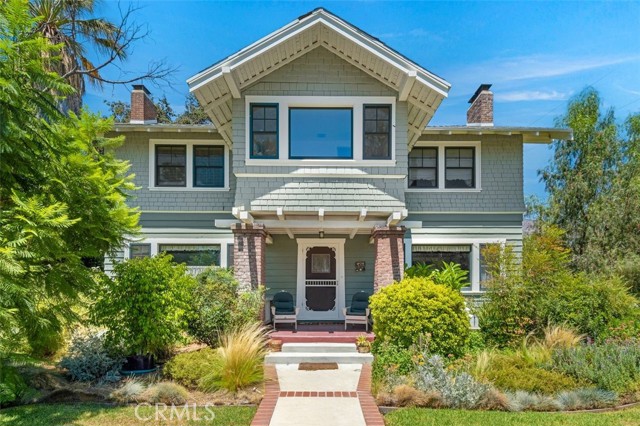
(307, 399)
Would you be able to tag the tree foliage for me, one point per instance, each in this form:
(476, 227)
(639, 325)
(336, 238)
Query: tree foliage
(63, 193)
(594, 187)
(120, 111)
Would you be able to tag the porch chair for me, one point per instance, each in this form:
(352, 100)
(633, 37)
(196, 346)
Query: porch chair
(283, 310)
(358, 312)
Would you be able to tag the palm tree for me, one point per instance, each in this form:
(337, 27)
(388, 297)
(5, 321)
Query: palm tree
(72, 24)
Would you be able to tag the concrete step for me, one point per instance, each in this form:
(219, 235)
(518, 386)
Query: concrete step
(337, 357)
(319, 347)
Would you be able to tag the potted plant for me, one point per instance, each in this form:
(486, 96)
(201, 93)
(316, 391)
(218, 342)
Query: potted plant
(275, 345)
(144, 308)
(363, 344)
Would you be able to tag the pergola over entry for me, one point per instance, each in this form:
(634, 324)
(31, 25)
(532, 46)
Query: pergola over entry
(216, 86)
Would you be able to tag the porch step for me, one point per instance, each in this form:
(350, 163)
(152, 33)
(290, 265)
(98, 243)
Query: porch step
(319, 348)
(299, 357)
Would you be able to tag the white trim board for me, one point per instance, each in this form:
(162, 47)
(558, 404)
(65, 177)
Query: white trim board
(155, 242)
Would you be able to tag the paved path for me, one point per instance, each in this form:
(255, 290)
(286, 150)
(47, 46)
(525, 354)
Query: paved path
(318, 398)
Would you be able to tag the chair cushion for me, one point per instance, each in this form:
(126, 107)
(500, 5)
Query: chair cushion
(359, 303)
(284, 308)
(285, 311)
(358, 312)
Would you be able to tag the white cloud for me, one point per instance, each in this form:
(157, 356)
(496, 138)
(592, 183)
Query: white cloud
(413, 33)
(532, 67)
(532, 95)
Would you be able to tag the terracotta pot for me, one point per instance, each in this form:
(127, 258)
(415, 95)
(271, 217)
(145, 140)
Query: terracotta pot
(363, 349)
(275, 345)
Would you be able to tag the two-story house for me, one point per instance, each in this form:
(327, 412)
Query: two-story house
(319, 175)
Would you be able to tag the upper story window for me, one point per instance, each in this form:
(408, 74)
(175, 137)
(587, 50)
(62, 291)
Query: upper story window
(444, 166)
(321, 133)
(264, 130)
(190, 165)
(320, 130)
(460, 168)
(377, 132)
(171, 165)
(423, 168)
(208, 166)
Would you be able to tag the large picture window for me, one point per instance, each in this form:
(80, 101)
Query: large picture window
(208, 166)
(423, 168)
(171, 165)
(377, 132)
(460, 168)
(437, 255)
(264, 131)
(320, 133)
(193, 255)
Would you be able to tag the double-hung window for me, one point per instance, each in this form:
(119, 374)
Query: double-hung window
(460, 168)
(208, 166)
(264, 131)
(171, 165)
(189, 164)
(377, 132)
(423, 168)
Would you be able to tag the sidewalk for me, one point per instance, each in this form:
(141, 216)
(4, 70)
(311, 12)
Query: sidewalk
(326, 397)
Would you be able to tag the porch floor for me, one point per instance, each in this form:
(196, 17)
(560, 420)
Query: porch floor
(331, 332)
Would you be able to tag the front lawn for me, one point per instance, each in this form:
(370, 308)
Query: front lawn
(428, 417)
(101, 415)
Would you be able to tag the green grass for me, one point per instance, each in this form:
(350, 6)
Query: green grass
(428, 417)
(101, 415)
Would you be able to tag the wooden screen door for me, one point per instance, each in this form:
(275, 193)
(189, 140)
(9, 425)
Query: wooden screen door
(320, 284)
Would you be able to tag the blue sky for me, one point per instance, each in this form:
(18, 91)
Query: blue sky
(536, 54)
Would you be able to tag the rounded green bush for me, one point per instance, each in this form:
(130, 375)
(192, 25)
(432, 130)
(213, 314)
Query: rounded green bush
(509, 374)
(405, 311)
(188, 368)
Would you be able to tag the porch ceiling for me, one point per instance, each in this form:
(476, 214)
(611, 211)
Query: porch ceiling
(216, 86)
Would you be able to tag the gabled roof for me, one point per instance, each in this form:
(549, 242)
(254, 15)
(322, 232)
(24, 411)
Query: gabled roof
(217, 85)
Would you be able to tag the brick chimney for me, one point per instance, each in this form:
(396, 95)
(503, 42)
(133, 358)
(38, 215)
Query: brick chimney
(143, 111)
(480, 113)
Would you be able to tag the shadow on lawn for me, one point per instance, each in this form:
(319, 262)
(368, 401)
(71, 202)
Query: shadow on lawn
(51, 414)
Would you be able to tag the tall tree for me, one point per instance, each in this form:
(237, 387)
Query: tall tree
(63, 193)
(582, 169)
(193, 112)
(72, 25)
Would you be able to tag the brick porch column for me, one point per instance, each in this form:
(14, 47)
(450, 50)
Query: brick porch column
(249, 245)
(389, 255)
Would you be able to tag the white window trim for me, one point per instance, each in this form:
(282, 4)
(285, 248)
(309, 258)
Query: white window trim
(475, 254)
(441, 166)
(156, 242)
(189, 169)
(285, 102)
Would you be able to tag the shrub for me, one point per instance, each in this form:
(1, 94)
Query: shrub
(586, 399)
(239, 359)
(560, 337)
(390, 360)
(130, 391)
(188, 368)
(524, 297)
(166, 393)
(448, 274)
(144, 305)
(522, 400)
(414, 307)
(610, 366)
(458, 390)
(12, 385)
(512, 373)
(493, 399)
(217, 306)
(89, 360)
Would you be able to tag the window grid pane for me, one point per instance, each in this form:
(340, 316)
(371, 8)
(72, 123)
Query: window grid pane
(423, 168)
(171, 165)
(193, 255)
(139, 250)
(460, 168)
(264, 131)
(377, 132)
(208, 166)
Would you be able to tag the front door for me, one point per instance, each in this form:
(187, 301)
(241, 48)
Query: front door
(320, 292)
